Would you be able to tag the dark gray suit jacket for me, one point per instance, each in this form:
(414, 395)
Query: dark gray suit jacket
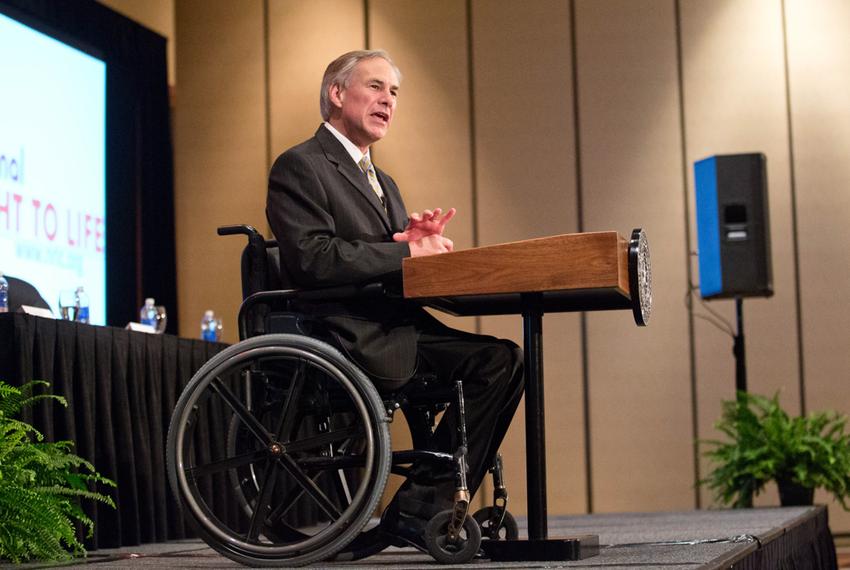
(23, 293)
(332, 230)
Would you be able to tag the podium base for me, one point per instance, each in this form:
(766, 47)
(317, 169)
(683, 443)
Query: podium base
(576, 547)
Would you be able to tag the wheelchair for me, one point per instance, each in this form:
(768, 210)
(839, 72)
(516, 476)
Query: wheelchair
(279, 446)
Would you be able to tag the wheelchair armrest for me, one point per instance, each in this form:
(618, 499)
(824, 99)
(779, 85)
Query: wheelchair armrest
(371, 290)
(244, 229)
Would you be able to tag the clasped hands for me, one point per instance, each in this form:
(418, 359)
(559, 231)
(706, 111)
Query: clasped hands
(424, 232)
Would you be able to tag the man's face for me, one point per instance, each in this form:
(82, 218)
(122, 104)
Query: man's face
(363, 110)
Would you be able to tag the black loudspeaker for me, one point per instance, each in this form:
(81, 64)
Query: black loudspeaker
(733, 226)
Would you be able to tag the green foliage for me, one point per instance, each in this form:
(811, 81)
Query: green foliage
(41, 484)
(767, 444)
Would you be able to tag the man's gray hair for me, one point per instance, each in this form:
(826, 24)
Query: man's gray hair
(339, 73)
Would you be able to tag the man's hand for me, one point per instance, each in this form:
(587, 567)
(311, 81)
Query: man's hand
(430, 245)
(423, 225)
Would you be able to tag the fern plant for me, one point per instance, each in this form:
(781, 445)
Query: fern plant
(41, 484)
(765, 444)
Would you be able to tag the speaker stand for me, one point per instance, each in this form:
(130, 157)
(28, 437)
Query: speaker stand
(739, 350)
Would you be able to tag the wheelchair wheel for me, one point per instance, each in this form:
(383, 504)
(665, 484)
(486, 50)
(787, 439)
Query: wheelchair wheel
(487, 519)
(279, 451)
(446, 551)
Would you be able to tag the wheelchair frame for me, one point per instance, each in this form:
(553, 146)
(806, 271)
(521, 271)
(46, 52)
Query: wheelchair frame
(267, 387)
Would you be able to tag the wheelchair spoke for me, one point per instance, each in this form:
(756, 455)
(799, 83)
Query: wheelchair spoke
(310, 487)
(288, 413)
(251, 422)
(258, 518)
(341, 482)
(289, 501)
(337, 462)
(225, 464)
(323, 439)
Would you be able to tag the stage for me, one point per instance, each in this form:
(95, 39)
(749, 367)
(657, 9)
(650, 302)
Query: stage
(768, 538)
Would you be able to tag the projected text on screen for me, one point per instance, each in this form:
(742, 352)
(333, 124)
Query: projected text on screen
(52, 166)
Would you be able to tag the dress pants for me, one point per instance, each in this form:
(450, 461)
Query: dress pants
(492, 375)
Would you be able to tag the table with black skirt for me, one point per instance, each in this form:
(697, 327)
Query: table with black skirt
(121, 387)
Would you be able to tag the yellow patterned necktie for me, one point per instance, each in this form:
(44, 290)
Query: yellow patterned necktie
(366, 167)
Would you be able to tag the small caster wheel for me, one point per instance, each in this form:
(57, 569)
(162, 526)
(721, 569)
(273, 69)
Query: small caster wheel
(487, 520)
(445, 551)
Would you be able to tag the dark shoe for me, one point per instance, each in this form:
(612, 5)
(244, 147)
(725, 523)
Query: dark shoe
(402, 529)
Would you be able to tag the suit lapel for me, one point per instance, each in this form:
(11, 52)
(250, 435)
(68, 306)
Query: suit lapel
(337, 154)
(395, 205)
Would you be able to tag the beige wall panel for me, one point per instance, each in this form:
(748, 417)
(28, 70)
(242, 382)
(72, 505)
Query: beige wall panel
(819, 61)
(524, 120)
(735, 102)
(427, 150)
(640, 397)
(304, 37)
(526, 188)
(219, 149)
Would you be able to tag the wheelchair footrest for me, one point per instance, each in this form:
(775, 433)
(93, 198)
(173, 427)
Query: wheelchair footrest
(576, 547)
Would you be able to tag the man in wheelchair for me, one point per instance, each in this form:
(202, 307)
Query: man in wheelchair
(340, 220)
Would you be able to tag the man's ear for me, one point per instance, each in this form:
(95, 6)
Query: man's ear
(336, 93)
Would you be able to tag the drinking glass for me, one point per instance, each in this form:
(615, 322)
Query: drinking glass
(68, 304)
(161, 319)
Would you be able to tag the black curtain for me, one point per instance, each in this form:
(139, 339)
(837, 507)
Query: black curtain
(140, 254)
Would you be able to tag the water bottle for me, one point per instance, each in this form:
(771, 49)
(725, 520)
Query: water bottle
(4, 294)
(147, 315)
(81, 304)
(210, 327)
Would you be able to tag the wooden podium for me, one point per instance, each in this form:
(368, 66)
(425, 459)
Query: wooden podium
(571, 272)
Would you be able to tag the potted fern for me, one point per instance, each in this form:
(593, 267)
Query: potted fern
(765, 444)
(41, 484)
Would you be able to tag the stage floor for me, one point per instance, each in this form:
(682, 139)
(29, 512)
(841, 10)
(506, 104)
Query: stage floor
(750, 538)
